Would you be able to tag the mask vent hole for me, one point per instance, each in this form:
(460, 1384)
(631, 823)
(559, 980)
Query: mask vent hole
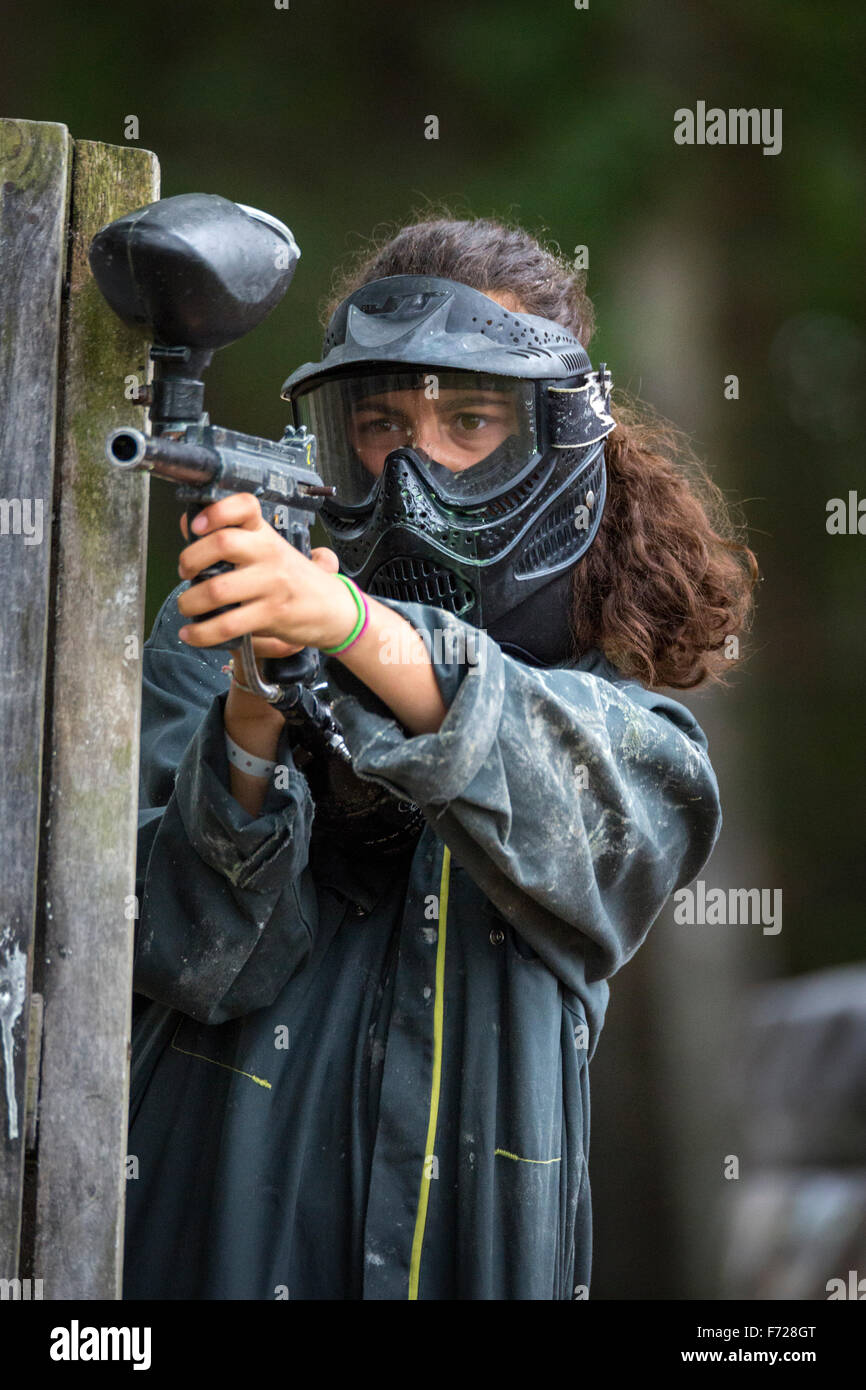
(503, 506)
(420, 581)
(571, 361)
(557, 538)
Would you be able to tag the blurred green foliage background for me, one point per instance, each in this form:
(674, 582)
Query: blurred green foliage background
(703, 262)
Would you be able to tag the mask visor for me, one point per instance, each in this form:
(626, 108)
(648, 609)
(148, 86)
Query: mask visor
(476, 432)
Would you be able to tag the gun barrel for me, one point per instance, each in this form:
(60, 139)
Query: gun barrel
(135, 452)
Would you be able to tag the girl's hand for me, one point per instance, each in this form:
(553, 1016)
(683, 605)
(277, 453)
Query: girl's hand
(286, 600)
(290, 602)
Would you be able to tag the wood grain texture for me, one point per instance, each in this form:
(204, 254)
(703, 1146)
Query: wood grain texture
(92, 781)
(35, 162)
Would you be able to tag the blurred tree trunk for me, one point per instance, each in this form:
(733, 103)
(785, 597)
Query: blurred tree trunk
(662, 1121)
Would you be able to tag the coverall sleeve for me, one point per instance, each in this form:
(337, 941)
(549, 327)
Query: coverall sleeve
(226, 914)
(577, 800)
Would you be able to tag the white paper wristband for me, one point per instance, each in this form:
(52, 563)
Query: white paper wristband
(247, 762)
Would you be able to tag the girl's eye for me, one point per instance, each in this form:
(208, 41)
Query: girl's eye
(471, 423)
(384, 425)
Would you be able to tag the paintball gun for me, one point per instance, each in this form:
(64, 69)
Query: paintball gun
(194, 273)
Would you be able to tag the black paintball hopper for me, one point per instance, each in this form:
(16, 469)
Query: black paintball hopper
(195, 270)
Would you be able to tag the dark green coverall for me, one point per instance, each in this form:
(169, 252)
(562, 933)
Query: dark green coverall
(361, 1079)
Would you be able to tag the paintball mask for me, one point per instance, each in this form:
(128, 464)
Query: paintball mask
(466, 444)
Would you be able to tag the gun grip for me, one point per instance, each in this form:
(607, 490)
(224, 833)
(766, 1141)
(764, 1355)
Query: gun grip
(300, 668)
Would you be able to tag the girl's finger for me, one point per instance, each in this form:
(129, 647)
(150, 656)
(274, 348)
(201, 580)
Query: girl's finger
(239, 509)
(265, 647)
(235, 586)
(325, 558)
(217, 631)
(233, 543)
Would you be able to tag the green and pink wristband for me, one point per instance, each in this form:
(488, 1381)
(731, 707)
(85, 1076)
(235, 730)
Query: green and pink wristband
(363, 618)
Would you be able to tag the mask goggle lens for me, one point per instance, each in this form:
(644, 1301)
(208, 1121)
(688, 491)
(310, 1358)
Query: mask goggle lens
(477, 431)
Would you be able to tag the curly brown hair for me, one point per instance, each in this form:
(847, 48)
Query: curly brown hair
(668, 579)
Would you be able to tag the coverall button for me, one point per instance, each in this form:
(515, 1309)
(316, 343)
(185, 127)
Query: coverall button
(360, 911)
(497, 936)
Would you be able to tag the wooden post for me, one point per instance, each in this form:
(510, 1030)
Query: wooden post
(85, 872)
(35, 166)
